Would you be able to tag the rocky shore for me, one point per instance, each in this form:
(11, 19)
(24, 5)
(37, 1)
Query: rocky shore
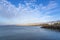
(52, 26)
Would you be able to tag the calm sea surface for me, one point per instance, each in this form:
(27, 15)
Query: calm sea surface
(27, 33)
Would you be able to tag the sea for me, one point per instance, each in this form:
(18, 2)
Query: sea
(12, 32)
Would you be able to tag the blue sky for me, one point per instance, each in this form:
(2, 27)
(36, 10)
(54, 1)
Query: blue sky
(29, 11)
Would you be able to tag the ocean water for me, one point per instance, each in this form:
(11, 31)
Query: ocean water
(27, 33)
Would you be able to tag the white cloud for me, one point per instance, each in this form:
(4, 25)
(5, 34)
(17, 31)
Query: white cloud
(24, 13)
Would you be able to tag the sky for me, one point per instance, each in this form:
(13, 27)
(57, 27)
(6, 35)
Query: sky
(29, 11)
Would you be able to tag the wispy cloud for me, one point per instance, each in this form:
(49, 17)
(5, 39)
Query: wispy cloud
(28, 12)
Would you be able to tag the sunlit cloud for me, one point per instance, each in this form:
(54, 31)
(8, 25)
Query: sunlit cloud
(30, 12)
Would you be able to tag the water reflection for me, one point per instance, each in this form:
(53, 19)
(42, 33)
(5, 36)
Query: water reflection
(28, 33)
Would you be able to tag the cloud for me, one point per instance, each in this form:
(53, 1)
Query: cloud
(7, 9)
(28, 12)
